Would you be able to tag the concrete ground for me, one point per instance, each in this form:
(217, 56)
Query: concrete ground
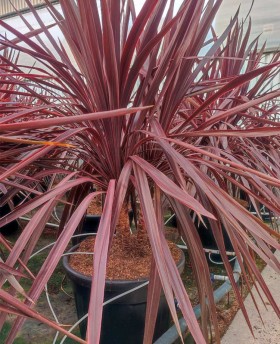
(267, 333)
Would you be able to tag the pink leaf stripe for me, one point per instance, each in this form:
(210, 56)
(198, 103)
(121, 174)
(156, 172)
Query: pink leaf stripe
(4, 269)
(169, 275)
(51, 261)
(154, 286)
(170, 187)
(50, 122)
(260, 132)
(100, 261)
(153, 298)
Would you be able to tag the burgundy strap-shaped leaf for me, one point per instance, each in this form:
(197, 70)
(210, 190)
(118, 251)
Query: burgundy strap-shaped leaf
(50, 122)
(153, 299)
(169, 275)
(154, 286)
(52, 260)
(259, 132)
(5, 269)
(99, 267)
(170, 187)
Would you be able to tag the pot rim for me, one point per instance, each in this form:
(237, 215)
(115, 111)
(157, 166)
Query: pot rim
(88, 279)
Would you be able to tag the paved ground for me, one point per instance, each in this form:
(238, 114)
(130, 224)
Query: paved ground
(267, 333)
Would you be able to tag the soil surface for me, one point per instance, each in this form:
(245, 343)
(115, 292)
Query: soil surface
(130, 257)
(95, 208)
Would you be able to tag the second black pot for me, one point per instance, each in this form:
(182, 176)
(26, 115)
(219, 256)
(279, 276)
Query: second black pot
(90, 225)
(206, 234)
(12, 227)
(123, 320)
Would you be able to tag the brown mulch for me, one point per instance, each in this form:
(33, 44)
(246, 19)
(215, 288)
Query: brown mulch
(130, 259)
(130, 255)
(95, 207)
(226, 313)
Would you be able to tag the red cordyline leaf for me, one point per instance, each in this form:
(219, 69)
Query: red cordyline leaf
(41, 22)
(33, 142)
(208, 186)
(17, 81)
(10, 310)
(180, 83)
(151, 225)
(52, 260)
(242, 247)
(154, 287)
(249, 221)
(237, 109)
(99, 265)
(31, 34)
(198, 261)
(153, 298)
(25, 208)
(259, 132)
(153, 59)
(133, 37)
(169, 275)
(237, 81)
(110, 58)
(9, 274)
(21, 187)
(50, 122)
(143, 54)
(170, 188)
(217, 232)
(236, 214)
(5, 269)
(221, 168)
(33, 156)
(9, 248)
(204, 182)
(25, 245)
(37, 49)
(35, 225)
(267, 178)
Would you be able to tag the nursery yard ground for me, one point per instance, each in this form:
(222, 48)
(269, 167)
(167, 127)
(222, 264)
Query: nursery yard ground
(62, 301)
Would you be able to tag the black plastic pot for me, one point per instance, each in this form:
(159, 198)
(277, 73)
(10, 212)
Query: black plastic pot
(90, 225)
(123, 320)
(206, 234)
(208, 241)
(13, 226)
(207, 237)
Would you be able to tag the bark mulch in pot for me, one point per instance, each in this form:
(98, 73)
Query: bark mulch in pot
(129, 259)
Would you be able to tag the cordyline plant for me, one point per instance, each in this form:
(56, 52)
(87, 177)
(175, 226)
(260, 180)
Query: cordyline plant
(130, 105)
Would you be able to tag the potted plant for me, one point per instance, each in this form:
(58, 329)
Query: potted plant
(131, 105)
(127, 269)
